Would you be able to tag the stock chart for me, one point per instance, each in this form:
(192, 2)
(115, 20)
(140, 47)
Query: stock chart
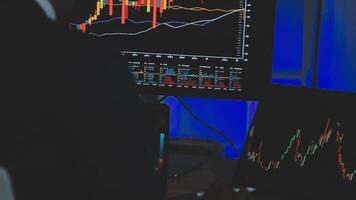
(195, 44)
(302, 143)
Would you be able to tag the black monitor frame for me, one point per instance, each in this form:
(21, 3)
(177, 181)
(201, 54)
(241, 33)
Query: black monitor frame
(258, 63)
(250, 59)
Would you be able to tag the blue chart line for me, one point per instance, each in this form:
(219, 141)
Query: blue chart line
(171, 24)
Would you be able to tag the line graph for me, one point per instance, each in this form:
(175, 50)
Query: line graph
(176, 33)
(176, 7)
(168, 24)
(153, 5)
(188, 23)
(329, 134)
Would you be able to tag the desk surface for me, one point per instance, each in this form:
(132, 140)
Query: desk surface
(205, 178)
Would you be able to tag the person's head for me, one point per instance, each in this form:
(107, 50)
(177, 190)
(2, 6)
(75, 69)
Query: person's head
(73, 10)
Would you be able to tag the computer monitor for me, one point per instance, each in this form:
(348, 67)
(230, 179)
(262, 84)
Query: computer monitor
(301, 145)
(211, 48)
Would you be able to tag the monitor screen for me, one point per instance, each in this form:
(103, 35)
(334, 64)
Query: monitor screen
(301, 145)
(212, 48)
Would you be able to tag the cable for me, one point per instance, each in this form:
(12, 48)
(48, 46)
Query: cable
(195, 116)
(317, 42)
(162, 99)
(214, 130)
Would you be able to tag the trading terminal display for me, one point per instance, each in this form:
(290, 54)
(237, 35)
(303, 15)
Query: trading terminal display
(199, 47)
(302, 145)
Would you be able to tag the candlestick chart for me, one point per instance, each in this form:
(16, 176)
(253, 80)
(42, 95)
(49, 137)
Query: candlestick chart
(299, 157)
(204, 47)
(302, 142)
(200, 44)
(183, 25)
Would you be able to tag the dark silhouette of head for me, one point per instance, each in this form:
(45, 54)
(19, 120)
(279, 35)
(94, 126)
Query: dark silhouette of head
(73, 10)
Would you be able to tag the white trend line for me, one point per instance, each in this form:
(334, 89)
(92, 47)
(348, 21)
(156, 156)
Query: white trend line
(212, 20)
(167, 24)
